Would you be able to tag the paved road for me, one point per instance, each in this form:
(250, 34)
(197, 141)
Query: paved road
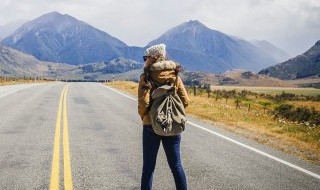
(103, 143)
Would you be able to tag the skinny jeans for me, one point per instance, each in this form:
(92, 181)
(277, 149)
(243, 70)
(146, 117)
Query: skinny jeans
(171, 146)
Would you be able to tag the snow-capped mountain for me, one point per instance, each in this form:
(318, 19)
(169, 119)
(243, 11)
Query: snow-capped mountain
(62, 38)
(212, 47)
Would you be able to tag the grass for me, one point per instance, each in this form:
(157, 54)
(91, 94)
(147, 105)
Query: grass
(6, 82)
(297, 139)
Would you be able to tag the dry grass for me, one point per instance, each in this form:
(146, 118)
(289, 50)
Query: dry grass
(128, 86)
(308, 104)
(20, 81)
(302, 141)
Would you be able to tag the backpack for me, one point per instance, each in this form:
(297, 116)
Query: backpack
(167, 112)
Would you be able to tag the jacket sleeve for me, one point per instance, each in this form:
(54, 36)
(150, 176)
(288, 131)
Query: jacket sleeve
(182, 92)
(143, 97)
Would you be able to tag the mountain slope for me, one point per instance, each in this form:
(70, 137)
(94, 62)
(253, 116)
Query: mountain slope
(302, 66)
(278, 54)
(18, 64)
(228, 52)
(62, 38)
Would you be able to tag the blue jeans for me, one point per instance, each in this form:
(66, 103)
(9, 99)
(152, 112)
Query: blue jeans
(171, 145)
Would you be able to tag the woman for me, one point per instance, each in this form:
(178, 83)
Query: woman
(160, 70)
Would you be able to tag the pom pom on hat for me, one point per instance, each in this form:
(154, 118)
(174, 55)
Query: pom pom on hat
(156, 51)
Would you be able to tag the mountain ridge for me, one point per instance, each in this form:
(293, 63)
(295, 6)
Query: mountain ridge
(57, 37)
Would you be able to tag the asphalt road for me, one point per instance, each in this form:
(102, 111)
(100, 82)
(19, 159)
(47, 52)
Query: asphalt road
(99, 146)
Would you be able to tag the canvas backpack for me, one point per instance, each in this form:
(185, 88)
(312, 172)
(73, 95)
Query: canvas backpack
(167, 113)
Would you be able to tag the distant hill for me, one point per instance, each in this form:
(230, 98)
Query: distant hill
(118, 65)
(235, 77)
(106, 69)
(278, 54)
(200, 48)
(17, 64)
(302, 66)
(62, 38)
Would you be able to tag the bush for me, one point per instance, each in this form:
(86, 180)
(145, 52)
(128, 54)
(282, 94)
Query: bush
(284, 96)
(299, 114)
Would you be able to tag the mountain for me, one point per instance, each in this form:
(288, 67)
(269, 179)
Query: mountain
(62, 38)
(211, 50)
(9, 28)
(278, 54)
(55, 37)
(17, 64)
(302, 66)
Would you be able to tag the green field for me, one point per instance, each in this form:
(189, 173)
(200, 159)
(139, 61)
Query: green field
(272, 90)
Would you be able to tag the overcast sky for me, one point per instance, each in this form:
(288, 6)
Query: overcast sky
(293, 25)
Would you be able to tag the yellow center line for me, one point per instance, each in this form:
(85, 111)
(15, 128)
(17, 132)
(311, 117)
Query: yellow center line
(62, 112)
(54, 182)
(66, 155)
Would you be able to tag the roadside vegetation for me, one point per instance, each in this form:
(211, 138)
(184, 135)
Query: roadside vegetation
(23, 80)
(286, 121)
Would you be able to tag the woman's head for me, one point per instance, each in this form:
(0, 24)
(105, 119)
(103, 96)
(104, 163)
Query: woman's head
(154, 54)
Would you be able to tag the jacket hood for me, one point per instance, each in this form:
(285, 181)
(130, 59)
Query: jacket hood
(163, 65)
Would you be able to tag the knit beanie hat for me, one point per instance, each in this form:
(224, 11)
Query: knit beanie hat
(156, 50)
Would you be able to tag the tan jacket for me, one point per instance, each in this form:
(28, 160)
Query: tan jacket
(160, 72)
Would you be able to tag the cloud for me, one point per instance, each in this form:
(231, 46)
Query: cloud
(291, 25)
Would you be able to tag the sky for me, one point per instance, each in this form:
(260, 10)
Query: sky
(292, 25)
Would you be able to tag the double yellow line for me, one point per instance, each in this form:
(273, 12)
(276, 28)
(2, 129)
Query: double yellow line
(62, 114)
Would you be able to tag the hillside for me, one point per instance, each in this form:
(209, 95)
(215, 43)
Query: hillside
(101, 70)
(18, 64)
(234, 78)
(302, 66)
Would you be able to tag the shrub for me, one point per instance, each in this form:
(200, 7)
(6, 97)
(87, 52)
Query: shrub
(299, 114)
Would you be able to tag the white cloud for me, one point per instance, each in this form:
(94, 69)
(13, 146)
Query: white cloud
(292, 25)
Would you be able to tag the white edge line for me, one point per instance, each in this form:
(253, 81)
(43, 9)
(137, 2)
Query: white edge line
(238, 143)
(118, 92)
(257, 151)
